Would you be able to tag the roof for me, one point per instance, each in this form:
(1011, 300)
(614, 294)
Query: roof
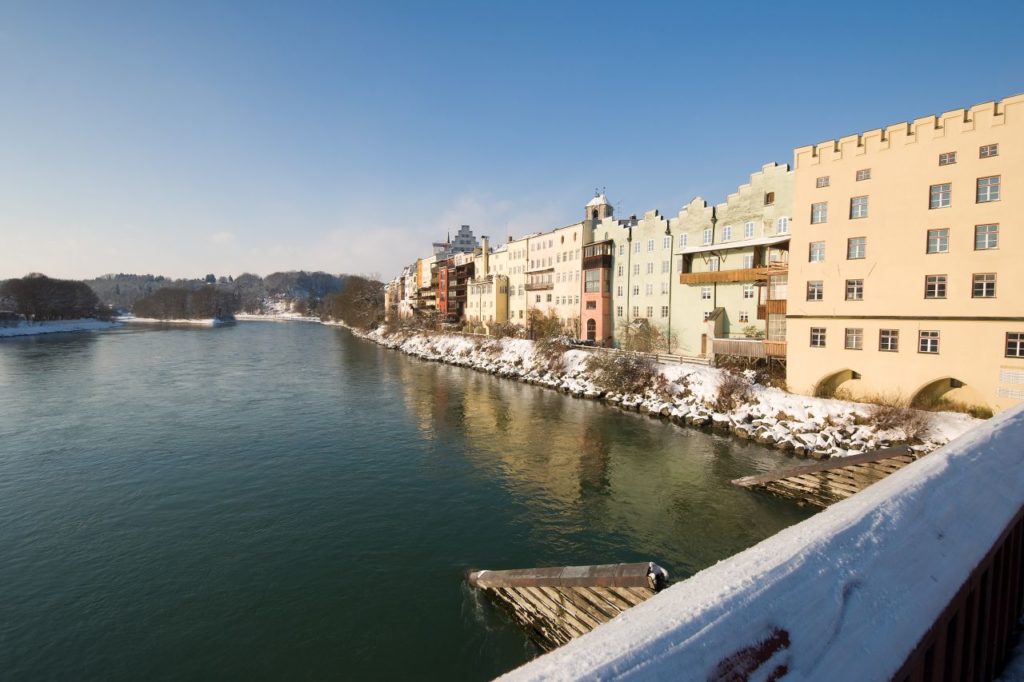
(599, 200)
(739, 244)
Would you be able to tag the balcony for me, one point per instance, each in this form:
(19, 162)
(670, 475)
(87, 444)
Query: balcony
(598, 261)
(756, 349)
(539, 286)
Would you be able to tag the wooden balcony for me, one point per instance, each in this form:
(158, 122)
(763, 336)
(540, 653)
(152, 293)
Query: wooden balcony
(756, 349)
(596, 262)
(539, 286)
(719, 276)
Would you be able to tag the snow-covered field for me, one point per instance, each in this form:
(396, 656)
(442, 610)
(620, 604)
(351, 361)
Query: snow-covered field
(813, 426)
(844, 595)
(55, 327)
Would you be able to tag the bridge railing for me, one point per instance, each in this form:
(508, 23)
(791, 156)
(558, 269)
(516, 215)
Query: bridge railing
(918, 577)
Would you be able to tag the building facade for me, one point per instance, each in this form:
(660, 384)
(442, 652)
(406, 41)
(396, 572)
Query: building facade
(905, 276)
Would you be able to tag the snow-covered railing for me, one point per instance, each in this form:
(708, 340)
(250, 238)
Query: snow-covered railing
(917, 577)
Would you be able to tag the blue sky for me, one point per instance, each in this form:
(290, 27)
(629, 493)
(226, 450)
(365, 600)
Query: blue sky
(184, 138)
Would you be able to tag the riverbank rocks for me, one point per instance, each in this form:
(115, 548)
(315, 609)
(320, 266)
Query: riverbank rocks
(685, 395)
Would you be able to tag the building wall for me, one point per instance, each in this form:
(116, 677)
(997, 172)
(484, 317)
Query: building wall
(517, 263)
(904, 163)
(642, 271)
(735, 250)
(554, 257)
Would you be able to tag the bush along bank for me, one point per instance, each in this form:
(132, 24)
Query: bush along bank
(689, 394)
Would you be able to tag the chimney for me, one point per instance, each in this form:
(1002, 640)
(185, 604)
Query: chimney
(487, 253)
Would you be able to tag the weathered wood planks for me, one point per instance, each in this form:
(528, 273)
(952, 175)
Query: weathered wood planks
(824, 483)
(555, 605)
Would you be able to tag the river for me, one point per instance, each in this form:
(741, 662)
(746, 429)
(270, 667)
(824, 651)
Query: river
(269, 501)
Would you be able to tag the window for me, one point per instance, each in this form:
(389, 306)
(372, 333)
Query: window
(819, 213)
(621, 270)
(816, 252)
(821, 182)
(744, 316)
(854, 290)
(684, 239)
(666, 242)
(650, 245)
(769, 198)
(707, 314)
(538, 298)
(817, 337)
(815, 290)
(863, 174)
(938, 241)
(714, 264)
(591, 305)
(889, 340)
(1015, 344)
(727, 233)
(618, 311)
(664, 287)
(705, 293)
(622, 249)
(935, 286)
(649, 289)
(592, 281)
(858, 207)
(707, 235)
(636, 268)
(618, 290)
(927, 341)
(782, 226)
(664, 311)
(748, 231)
(986, 237)
(988, 189)
(636, 289)
(748, 291)
(650, 311)
(666, 266)
(856, 248)
(939, 196)
(854, 338)
(984, 285)
(636, 247)
(988, 150)
(748, 261)
(650, 268)
(947, 158)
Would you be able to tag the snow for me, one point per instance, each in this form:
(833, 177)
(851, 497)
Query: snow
(854, 588)
(206, 322)
(275, 317)
(811, 426)
(599, 200)
(56, 326)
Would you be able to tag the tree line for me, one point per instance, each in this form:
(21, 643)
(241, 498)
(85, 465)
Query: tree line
(40, 298)
(179, 303)
(360, 304)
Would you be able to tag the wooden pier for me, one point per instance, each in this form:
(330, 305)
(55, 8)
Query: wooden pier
(556, 605)
(827, 482)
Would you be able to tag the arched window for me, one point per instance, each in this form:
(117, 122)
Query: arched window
(591, 330)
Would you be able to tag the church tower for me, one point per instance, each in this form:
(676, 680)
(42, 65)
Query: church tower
(598, 208)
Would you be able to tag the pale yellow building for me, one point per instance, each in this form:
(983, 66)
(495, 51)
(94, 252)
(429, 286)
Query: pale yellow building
(905, 272)
(553, 283)
(487, 295)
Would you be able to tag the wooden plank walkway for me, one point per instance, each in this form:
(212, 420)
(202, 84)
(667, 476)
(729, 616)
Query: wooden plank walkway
(824, 483)
(556, 605)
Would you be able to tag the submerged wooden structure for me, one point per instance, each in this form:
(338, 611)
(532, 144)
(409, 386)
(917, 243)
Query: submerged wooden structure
(824, 483)
(556, 605)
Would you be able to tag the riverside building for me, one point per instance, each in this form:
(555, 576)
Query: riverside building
(906, 275)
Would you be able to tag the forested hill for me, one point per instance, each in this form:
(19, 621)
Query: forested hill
(252, 293)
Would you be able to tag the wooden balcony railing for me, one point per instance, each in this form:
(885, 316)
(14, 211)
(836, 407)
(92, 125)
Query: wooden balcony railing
(749, 348)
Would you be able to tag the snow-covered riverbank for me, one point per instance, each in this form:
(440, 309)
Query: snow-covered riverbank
(687, 394)
(56, 327)
(275, 317)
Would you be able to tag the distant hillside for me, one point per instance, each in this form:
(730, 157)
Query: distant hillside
(252, 293)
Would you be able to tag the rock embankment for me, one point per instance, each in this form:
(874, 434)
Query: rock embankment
(688, 395)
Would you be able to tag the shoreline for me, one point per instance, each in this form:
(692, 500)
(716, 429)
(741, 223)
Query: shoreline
(797, 425)
(57, 327)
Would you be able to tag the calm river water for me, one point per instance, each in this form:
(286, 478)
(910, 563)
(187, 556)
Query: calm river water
(272, 501)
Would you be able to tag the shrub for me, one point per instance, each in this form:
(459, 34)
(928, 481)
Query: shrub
(890, 411)
(734, 389)
(622, 372)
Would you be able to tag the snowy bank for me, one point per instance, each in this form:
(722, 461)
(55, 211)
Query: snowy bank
(204, 322)
(275, 317)
(844, 595)
(55, 327)
(686, 394)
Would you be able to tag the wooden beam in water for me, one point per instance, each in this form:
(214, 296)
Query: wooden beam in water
(555, 605)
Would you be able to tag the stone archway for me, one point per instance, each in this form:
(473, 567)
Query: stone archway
(827, 385)
(949, 391)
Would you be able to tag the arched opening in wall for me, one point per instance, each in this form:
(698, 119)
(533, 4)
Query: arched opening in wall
(591, 330)
(950, 394)
(844, 384)
(593, 214)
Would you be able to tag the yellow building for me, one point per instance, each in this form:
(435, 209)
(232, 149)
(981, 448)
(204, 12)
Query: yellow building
(905, 273)
(488, 292)
(553, 283)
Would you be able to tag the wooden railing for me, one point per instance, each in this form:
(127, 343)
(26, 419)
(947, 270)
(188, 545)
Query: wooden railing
(749, 348)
